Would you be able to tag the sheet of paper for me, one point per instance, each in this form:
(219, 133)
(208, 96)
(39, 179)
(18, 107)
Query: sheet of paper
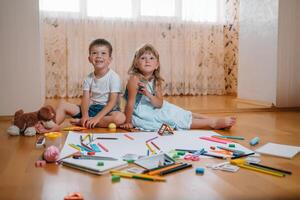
(281, 150)
(123, 145)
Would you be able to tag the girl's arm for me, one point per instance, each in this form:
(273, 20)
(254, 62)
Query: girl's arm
(132, 87)
(157, 100)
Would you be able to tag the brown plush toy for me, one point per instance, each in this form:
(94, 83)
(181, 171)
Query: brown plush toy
(24, 123)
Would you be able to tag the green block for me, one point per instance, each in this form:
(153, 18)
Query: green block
(115, 178)
(231, 145)
(180, 153)
(130, 161)
(100, 163)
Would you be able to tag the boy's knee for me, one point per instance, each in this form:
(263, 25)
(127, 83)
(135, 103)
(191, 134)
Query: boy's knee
(119, 118)
(61, 104)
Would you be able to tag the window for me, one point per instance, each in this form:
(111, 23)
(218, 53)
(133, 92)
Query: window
(60, 5)
(164, 8)
(186, 10)
(109, 8)
(207, 10)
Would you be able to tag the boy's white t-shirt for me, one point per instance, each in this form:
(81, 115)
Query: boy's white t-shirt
(102, 87)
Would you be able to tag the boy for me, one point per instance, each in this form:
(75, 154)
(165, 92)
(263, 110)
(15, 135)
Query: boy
(101, 88)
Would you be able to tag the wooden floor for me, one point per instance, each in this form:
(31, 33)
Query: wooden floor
(21, 180)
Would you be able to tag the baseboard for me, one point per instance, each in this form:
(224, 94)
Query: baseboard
(255, 102)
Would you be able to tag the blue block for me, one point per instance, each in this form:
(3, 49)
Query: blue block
(254, 141)
(199, 170)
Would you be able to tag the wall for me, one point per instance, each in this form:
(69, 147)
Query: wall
(22, 75)
(269, 67)
(257, 72)
(288, 90)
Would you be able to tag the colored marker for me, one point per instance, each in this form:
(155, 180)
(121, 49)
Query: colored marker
(137, 176)
(254, 141)
(128, 136)
(103, 147)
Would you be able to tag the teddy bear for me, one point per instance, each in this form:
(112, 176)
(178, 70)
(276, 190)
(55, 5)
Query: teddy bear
(24, 123)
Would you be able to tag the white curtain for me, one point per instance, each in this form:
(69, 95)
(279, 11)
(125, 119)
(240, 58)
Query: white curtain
(191, 52)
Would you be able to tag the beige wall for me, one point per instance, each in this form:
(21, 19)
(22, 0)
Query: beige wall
(288, 90)
(269, 57)
(21, 75)
(257, 72)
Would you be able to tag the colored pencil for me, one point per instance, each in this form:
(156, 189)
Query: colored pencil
(151, 139)
(103, 147)
(155, 145)
(75, 147)
(106, 138)
(175, 169)
(243, 155)
(187, 150)
(246, 166)
(128, 136)
(214, 140)
(149, 147)
(232, 150)
(214, 156)
(271, 168)
(157, 171)
(232, 137)
(85, 157)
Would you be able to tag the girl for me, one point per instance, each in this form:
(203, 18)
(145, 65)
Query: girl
(146, 109)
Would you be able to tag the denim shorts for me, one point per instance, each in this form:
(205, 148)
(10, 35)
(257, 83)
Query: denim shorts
(94, 110)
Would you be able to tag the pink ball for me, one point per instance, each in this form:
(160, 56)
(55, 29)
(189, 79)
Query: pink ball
(51, 154)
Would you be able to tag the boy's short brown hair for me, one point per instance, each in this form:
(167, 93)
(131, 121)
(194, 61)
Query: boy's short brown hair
(101, 42)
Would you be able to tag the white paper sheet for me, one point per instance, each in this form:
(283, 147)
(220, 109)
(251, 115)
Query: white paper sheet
(118, 148)
(281, 150)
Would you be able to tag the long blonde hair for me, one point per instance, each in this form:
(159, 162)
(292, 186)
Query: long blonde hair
(135, 71)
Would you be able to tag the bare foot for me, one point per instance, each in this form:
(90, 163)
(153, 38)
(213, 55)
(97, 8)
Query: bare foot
(75, 122)
(223, 123)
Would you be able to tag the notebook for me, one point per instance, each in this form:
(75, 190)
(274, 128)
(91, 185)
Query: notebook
(281, 150)
(92, 167)
(154, 161)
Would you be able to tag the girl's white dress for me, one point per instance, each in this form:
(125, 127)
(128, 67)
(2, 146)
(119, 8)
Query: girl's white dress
(148, 118)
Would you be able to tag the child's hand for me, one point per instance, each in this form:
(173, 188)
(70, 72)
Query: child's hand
(127, 125)
(83, 121)
(143, 89)
(92, 122)
(40, 128)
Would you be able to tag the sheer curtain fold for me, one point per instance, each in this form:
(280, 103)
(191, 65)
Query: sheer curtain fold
(191, 53)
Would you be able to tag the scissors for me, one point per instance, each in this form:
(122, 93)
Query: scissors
(191, 157)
